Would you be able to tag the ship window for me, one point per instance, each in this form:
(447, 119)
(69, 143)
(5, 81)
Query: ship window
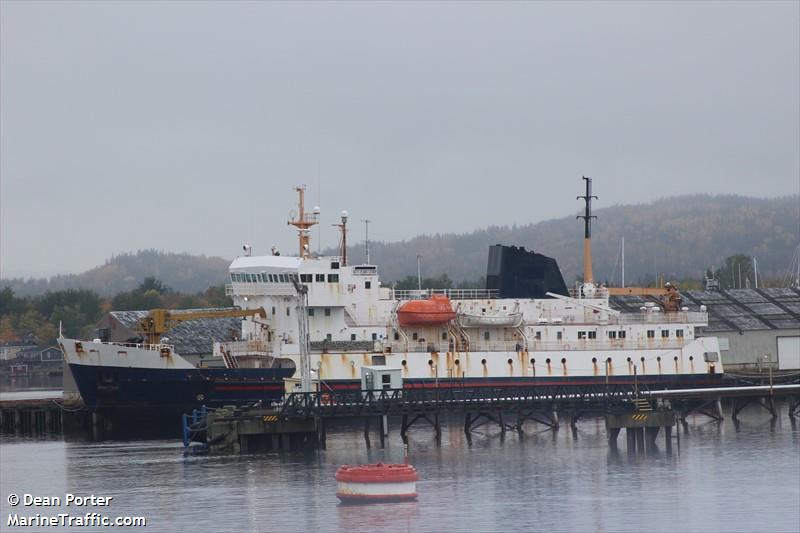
(333, 278)
(367, 284)
(352, 336)
(651, 334)
(310, 311)
(621, 334)
(444, 335)
(612, 334)
(486, 335)
(288, 311)
(306, 278)
(374, 336)
(581, 335)
(327, 311)
(273, 310)
(679, 333)
(328, 337)
(538, 335)
(414, 336)
(396, 336)
(664, 333)
(335, 265)
(380, 360)
(558, 335)
(592, 334)
(320, 277)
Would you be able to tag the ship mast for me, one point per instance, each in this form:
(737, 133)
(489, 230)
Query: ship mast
(587, 236)
(304, 222)
(343, 230)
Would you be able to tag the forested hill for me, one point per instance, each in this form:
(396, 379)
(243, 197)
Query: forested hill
(677, 237)
(181, 272)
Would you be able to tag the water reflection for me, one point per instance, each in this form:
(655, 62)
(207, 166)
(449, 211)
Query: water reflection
(569, 479)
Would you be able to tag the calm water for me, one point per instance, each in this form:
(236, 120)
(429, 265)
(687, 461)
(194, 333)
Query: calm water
(723, 479)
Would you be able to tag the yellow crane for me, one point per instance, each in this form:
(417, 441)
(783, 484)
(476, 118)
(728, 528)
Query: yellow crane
(670, 297)
(159, 321)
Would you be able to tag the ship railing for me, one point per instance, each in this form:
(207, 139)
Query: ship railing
(547, 346)
(239, 348)
(453, 294)
(600, 293)
(142, 346)
(650, 317)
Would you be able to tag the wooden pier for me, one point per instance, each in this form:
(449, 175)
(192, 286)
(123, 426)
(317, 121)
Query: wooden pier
(41, 416)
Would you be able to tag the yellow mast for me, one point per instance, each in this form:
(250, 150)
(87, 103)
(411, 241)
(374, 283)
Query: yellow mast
(304, 222)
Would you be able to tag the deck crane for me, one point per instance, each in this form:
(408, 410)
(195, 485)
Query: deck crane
(159, 321)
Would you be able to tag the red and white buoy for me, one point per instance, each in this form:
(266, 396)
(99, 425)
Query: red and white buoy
(376, 483)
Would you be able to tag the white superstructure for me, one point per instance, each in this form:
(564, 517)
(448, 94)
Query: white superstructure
(353, 322)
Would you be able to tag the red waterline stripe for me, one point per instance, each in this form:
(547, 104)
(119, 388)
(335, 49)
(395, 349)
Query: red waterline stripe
(247, 387)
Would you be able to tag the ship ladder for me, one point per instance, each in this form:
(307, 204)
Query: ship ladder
(642, 404)
(230, 361)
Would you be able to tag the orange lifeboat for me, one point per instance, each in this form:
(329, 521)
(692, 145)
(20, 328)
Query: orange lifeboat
(435, 311)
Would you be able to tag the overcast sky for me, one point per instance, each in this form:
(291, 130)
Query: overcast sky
(184, 126)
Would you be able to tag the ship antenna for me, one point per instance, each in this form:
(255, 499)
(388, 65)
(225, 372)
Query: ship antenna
(587, 236)
(366, 222)
(304, 222)
(343, 230)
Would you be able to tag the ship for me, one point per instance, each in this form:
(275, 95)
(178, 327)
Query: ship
(325, 319)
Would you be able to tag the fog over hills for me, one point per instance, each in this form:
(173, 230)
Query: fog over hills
(677, 237)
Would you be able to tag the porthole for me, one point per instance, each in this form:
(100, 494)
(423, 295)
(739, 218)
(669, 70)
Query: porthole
(547, 360)
(675, 358)
(642, 359)
(563, 360)
(608, 360)
(457, 362)
(430, 362)
(594, 360)
(691, 358)
(483, 362)
(404, 362)
(533, 361)
(629, 359)
(510, 361)
(658, 358)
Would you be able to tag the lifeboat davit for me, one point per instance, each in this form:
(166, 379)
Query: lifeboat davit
(435, 311)
(376, 483)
